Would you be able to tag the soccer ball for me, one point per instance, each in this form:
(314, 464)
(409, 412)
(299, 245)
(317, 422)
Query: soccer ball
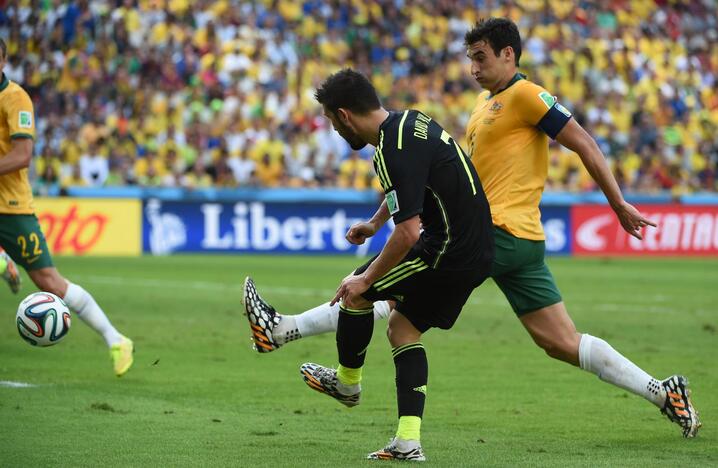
(43, 319)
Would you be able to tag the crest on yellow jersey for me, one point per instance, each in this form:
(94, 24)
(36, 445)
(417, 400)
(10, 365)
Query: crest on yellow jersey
(496, 107)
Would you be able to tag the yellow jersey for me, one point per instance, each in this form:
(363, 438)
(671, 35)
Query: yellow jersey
(17, 120)
(507, 136)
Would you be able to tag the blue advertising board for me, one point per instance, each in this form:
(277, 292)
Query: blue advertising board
(556, 222)
(254, 226)
(268, 227)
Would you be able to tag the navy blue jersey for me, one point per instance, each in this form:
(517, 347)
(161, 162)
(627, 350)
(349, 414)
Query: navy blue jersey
(424, 172)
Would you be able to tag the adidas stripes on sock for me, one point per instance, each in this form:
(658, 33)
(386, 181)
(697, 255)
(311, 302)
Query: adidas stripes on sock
(412, 374)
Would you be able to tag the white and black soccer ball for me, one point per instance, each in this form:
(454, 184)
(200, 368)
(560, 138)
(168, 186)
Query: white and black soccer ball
(43, 319)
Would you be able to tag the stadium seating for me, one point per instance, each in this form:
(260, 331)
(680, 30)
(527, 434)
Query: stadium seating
(194, 94)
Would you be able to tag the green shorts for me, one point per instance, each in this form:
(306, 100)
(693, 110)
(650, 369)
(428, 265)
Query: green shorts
(23, 240)
(521, 273)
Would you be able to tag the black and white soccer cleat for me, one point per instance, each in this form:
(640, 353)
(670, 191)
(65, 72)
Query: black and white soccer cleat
(678, 407)
(324, 380)
(407, 450)
(263, 318)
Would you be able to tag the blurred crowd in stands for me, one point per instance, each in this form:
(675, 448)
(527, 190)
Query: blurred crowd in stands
(199, 93)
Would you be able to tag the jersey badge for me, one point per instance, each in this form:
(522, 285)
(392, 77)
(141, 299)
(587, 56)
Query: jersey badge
(24, 119)
(496, 107)
(562, 110)
(547, 99)
(392, 202)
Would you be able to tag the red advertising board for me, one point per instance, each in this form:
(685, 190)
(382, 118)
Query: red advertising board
(682, 230)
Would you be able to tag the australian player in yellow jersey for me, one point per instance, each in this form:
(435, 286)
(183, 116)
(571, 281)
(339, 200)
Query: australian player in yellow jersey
(508, 142)
(508, 136)
(20, 235)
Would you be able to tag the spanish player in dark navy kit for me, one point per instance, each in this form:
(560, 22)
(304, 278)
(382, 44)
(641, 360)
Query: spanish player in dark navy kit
(441, 249)
(427, 178)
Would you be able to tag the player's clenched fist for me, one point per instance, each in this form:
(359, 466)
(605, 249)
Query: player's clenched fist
(359, 232)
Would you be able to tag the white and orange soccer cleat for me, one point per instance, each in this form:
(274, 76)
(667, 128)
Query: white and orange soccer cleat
(678, 406)
(398, 449)
(324, 380)
(263, 318)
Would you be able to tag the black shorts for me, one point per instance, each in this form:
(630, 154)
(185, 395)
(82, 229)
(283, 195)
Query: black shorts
(427, 297)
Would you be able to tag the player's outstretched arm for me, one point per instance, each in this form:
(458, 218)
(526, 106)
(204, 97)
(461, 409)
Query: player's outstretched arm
(359, 232)
(397, 246)
(575, 138)
(19, 156)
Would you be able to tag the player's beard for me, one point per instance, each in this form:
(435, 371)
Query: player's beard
(352, 138)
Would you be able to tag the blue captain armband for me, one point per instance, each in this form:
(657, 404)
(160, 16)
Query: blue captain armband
(554, 120)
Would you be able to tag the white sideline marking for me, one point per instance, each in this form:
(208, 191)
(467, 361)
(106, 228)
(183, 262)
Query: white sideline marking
(200, 285)
(265, 291)
(11, 384)
(327, 294)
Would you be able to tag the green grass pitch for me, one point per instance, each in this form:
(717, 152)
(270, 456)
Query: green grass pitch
(198, 396)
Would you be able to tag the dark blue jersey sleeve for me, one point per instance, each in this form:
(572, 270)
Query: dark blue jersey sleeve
(554, 120)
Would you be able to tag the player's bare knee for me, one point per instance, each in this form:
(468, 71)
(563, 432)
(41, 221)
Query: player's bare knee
(553, 351)
(42, 281)
(398, 336)
(49, 280)
(389, 334)
(58, 288)
(357, 303)
(400, 333)
(562, 348)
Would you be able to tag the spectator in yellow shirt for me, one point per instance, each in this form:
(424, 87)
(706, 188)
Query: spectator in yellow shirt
(355, 172)
(197, 177)
(269, 171)
(74, 179)
(150, 159)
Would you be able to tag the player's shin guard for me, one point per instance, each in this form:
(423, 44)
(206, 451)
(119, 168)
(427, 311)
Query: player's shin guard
(412, 374)
(354, 331)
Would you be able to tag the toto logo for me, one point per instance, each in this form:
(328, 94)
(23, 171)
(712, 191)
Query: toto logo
(72, 232)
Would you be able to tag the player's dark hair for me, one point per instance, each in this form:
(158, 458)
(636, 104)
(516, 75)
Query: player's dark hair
(498, 33)
(3, 48)
(348, 89)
